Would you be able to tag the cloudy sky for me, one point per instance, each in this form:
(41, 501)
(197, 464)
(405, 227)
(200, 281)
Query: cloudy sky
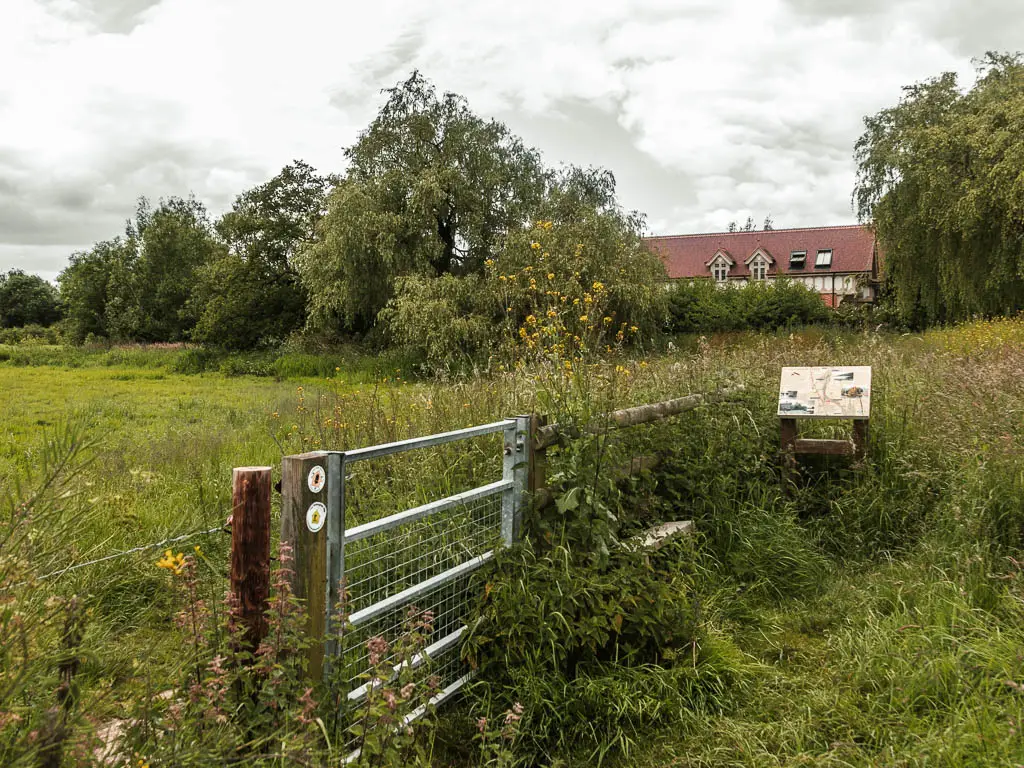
(706, 110)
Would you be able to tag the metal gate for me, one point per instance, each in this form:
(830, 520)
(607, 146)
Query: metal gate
(420, 557)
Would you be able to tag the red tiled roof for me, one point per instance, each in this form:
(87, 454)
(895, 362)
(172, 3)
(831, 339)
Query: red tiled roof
(853, 250)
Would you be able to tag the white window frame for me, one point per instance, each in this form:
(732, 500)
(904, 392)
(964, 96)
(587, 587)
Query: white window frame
(823, 259)
(720, 271)
(759, 269)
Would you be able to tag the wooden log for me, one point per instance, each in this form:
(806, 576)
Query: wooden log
(660, 535)
(630, 417)
(250, 551)
(309, 548)
(825, 447)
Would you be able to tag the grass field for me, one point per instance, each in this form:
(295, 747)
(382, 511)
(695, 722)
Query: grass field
(876, 615)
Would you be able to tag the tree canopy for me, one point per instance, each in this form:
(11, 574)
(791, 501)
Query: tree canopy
(26, 300)
(252, 296)
(940, 175)
(431, 189)
(137, 287)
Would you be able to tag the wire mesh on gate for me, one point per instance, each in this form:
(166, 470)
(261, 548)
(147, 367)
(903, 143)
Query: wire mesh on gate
(390, 561)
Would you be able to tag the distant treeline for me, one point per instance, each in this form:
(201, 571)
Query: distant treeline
(447, 233)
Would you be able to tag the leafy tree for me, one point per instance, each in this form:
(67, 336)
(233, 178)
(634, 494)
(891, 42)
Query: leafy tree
(252, 296)
(582, 261)
(939, 175)
(94, 281)
(137, 287)
(174, 241)
(431, 189)
(26, 300)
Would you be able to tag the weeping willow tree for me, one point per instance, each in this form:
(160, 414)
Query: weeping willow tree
(941, 175)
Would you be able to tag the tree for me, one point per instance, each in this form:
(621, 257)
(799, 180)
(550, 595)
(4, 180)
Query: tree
(174, 241)
(431, 189)
(137, 287)
(90, 283)
(582, 261)
(750, 226)
(252, 295)
(939, 176)
(26, 300)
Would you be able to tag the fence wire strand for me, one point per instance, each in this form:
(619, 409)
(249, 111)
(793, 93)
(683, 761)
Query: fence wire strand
(125, 553)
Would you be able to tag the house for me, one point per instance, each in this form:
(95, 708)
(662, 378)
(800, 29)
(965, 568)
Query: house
(840, 263)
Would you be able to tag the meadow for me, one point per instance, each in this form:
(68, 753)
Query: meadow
(869, 615)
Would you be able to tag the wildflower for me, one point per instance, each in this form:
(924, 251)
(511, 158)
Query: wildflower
(607, 320)
(531, 320)
(489, 262)
(407, 690)
(199, 551)
(377, 647)
(633, 329)
(551, 275)
(502, 278)
(481, 724)
(535, 246)
(583, 318)
(598, 286)
(173, 563)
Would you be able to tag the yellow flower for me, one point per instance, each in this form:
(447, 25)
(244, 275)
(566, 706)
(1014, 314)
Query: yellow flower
(535, 246)
(598, 286)
(502, 278)
(530, 319)
(583, 318)
(607, 320)
(551, 275)
(633, 329)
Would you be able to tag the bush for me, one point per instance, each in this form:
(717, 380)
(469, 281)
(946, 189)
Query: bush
(30, 334)
(700, 306)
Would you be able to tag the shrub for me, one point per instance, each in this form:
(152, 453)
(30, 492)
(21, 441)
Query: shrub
(700, 306)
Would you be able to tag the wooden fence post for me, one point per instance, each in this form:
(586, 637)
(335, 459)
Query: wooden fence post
(538, 461)
(250, 551)
(304, 528)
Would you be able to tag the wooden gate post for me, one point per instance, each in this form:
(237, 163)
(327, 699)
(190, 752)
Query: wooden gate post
(304, 528)
(250, 551)
(538, 463)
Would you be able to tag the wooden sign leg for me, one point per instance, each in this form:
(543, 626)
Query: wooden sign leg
(860, 439)
(788, 432)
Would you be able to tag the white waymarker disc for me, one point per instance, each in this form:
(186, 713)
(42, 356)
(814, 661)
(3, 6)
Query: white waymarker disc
(316, 479)
(316, 516)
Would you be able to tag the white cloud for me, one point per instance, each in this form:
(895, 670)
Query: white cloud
(705, 110)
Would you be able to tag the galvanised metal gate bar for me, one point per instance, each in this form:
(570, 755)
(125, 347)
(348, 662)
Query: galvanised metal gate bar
(422, 556)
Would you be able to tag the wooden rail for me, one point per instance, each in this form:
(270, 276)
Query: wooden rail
(544, 435)
(630, 417)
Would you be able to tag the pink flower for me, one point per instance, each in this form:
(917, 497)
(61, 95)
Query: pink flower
(377, 646)
(481, 724)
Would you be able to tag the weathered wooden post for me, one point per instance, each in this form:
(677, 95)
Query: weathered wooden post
(250, 551)
(538, 457)
(303, 527)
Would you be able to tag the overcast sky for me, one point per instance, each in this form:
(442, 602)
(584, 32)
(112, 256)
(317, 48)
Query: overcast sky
(706, 110)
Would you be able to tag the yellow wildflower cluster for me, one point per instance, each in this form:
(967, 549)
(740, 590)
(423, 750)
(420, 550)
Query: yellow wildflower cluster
(173, 563)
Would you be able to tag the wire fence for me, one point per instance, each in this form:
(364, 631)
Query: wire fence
(125, 553)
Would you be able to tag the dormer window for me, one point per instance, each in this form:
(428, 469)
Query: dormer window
(797, 259)
(720, 270)
(758, 270)
(824, 260)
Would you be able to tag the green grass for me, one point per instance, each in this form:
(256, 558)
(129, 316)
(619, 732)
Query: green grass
(870, 616)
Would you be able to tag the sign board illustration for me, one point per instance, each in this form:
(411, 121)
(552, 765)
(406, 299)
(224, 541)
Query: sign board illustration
(828, 392)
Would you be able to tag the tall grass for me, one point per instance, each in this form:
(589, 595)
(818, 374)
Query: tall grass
(857, 616)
